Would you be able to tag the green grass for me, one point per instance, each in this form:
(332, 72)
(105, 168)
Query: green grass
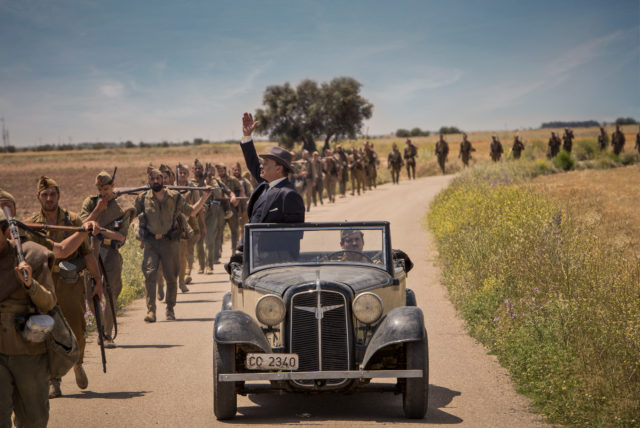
(557, 303)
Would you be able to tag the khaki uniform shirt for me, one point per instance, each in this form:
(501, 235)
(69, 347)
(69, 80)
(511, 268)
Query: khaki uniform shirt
(39, 298)
(233, 184)
(192, 197)
(161, 216)
(117, 209)
(65, 218)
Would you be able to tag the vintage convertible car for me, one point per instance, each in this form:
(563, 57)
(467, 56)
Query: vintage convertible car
(319, 308)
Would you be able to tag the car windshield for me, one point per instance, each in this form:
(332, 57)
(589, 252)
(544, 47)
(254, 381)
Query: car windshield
(362, 245)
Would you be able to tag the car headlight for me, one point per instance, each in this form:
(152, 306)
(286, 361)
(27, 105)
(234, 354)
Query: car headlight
(270, 310)
(367, 307)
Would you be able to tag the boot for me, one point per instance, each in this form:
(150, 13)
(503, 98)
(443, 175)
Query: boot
(54, 388)
(183, 288)
(151, 317)
(201, 271)
(81, 377)
(208, 271)
(170, 315)
(187, 279)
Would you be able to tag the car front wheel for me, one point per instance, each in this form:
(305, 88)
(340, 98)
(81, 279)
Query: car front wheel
(225, 402)
(415, 393)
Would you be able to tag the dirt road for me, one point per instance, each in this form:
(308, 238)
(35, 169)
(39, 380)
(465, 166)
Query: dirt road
(160, 374)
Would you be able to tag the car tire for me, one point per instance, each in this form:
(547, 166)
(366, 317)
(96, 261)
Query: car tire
(225, 402)
(415, 393)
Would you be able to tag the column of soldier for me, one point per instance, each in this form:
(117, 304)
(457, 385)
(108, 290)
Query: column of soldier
(58, 245)
(553, 146)
(314, 174)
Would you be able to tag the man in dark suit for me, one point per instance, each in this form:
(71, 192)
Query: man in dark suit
(274, 200)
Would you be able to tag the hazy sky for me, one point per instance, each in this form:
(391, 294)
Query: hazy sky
(113, 70)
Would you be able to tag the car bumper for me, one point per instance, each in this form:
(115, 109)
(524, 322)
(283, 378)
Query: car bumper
(346, 374)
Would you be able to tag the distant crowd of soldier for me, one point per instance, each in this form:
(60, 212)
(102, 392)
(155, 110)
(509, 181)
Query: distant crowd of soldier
(314, 174)
(553, 147)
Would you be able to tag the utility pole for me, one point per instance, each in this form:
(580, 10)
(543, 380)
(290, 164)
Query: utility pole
(5, 134)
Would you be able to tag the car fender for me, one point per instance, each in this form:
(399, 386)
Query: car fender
(227, 303)
(234, 327)
(400, 325)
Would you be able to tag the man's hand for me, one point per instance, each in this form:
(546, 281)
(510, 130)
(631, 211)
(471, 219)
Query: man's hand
(101, 205)
(91, 226)
(196, 237)
(24, 267)
(233, 200)
(248, 125)
(97, 289)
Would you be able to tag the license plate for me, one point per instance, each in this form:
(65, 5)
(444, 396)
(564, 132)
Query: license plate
(272, 362)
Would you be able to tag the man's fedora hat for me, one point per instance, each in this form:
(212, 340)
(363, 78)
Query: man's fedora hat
(280, 155)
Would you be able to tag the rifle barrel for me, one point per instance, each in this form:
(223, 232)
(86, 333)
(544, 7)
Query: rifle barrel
(16, 238)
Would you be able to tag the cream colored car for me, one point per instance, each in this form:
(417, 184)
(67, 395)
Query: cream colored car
(319, 308)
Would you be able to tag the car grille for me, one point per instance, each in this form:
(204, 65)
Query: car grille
(321, 344)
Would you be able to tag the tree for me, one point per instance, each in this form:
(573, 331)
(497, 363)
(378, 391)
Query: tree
(309, 111)
(403, 133)
(449, 130)
(626, 121)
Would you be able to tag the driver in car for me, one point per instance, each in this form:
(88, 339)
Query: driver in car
(352, 243)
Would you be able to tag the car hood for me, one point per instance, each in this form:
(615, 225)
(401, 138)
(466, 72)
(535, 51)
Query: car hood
(277, 280)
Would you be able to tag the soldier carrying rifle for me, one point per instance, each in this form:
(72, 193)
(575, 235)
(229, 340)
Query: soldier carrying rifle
(114, 215)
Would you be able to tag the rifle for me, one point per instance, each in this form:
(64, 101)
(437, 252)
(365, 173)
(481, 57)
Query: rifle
(130, 190)
(99, 328)
(42, 227)
(16, 238)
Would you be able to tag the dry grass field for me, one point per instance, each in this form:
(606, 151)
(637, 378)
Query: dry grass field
(75, 170)
(608, 199)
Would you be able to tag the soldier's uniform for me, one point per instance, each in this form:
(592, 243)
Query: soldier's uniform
(24, 372)
(603, 139)
(638, 142)
(496, 149)
(357, 172)
(517, 148)
(234, 186)
(243, 217)
(187, 241)
(330, 177)
(117, 217)
(70, 291)
(199, 244)
(617, 141)
(318, 179)
(410, 154)
(442, 151)
(371, 162)
(309, 184)
(567, 140)
(465, 151)
(342, 161)
(215, 220)
(395, 164)
(553, 146)
(161, 235)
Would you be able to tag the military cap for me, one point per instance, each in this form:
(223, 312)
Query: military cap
(181, 167)
(6, 196)
(104, 178)
(221, 165)
(46, 183)
(348, 232)
(166, 169)
(197, 164)
(152, 170)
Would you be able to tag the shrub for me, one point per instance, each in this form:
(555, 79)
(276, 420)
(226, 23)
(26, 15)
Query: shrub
(586, 149)
(564, 161)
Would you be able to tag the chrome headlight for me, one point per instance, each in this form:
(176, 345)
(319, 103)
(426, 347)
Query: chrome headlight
(270, 310)
(367, 307)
